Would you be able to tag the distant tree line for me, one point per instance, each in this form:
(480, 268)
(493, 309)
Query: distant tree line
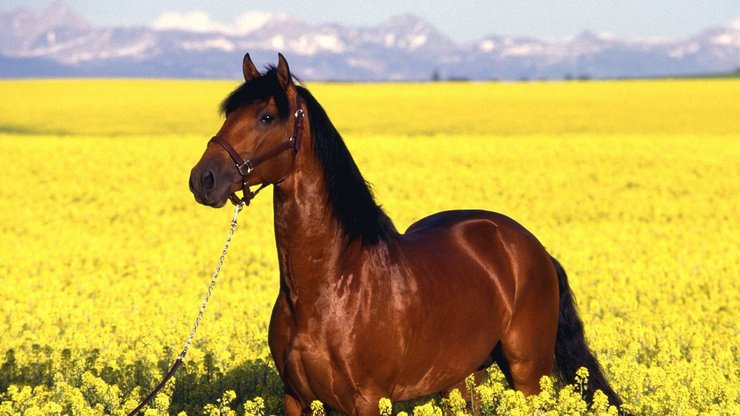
(437, 77)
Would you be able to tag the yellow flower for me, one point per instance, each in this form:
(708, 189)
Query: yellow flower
(105, 256)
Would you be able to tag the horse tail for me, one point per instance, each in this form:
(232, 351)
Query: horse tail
(571, 350)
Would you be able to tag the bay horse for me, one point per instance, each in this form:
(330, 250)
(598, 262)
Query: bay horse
(363, 311)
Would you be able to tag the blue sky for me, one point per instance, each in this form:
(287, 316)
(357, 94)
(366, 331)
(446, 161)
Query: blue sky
(462, 20)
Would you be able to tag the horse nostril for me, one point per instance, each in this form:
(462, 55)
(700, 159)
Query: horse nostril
(207, 181)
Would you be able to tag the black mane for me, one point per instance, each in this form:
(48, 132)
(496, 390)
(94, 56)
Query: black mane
(258, 89)
(349, 195)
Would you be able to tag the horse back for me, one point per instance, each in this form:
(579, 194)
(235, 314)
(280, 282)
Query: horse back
(473, 272)
(503, 248)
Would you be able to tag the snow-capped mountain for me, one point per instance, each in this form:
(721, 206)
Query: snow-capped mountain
(57, 42)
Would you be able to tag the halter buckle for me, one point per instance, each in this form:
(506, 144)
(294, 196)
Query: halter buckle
(246, 164)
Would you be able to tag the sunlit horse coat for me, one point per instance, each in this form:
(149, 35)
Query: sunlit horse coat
(365, 311)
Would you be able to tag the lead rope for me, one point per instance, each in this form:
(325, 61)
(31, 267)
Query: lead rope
(181, 357)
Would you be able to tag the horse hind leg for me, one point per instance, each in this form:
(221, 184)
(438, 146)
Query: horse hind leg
(521, 362)
(527, 352)
(496, 356)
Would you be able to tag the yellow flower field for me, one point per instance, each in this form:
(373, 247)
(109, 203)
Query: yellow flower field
(105, 256)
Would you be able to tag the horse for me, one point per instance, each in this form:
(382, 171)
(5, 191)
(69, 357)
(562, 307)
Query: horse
(364, 311)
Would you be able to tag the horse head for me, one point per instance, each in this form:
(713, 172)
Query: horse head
(258, 140)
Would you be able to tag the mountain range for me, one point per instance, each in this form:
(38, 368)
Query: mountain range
(57, 42)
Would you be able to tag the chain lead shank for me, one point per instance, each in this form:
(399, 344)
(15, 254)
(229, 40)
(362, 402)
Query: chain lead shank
(181, 358)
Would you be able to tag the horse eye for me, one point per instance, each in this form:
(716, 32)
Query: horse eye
(267, 119)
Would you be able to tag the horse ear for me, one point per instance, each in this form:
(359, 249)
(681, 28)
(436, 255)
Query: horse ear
(250, 72)
(283, 73)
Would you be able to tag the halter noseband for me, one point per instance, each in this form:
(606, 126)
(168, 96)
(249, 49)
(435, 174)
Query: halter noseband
(246, 166)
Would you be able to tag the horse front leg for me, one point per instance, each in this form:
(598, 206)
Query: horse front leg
(293, 406)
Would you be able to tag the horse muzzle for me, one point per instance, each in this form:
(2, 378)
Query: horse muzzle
(210, 185)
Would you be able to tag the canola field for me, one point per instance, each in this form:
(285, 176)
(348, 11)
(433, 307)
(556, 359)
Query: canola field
(105, 256)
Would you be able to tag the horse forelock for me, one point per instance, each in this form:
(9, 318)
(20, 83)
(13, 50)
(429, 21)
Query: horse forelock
(258, 89)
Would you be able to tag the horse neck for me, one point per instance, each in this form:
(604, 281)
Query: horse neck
(309, 238)
(300, 207)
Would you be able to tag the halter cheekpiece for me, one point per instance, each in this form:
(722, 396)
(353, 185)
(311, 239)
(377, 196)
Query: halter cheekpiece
(246, 166)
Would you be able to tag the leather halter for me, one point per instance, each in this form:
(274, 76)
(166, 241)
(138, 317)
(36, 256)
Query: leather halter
(246, 166)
